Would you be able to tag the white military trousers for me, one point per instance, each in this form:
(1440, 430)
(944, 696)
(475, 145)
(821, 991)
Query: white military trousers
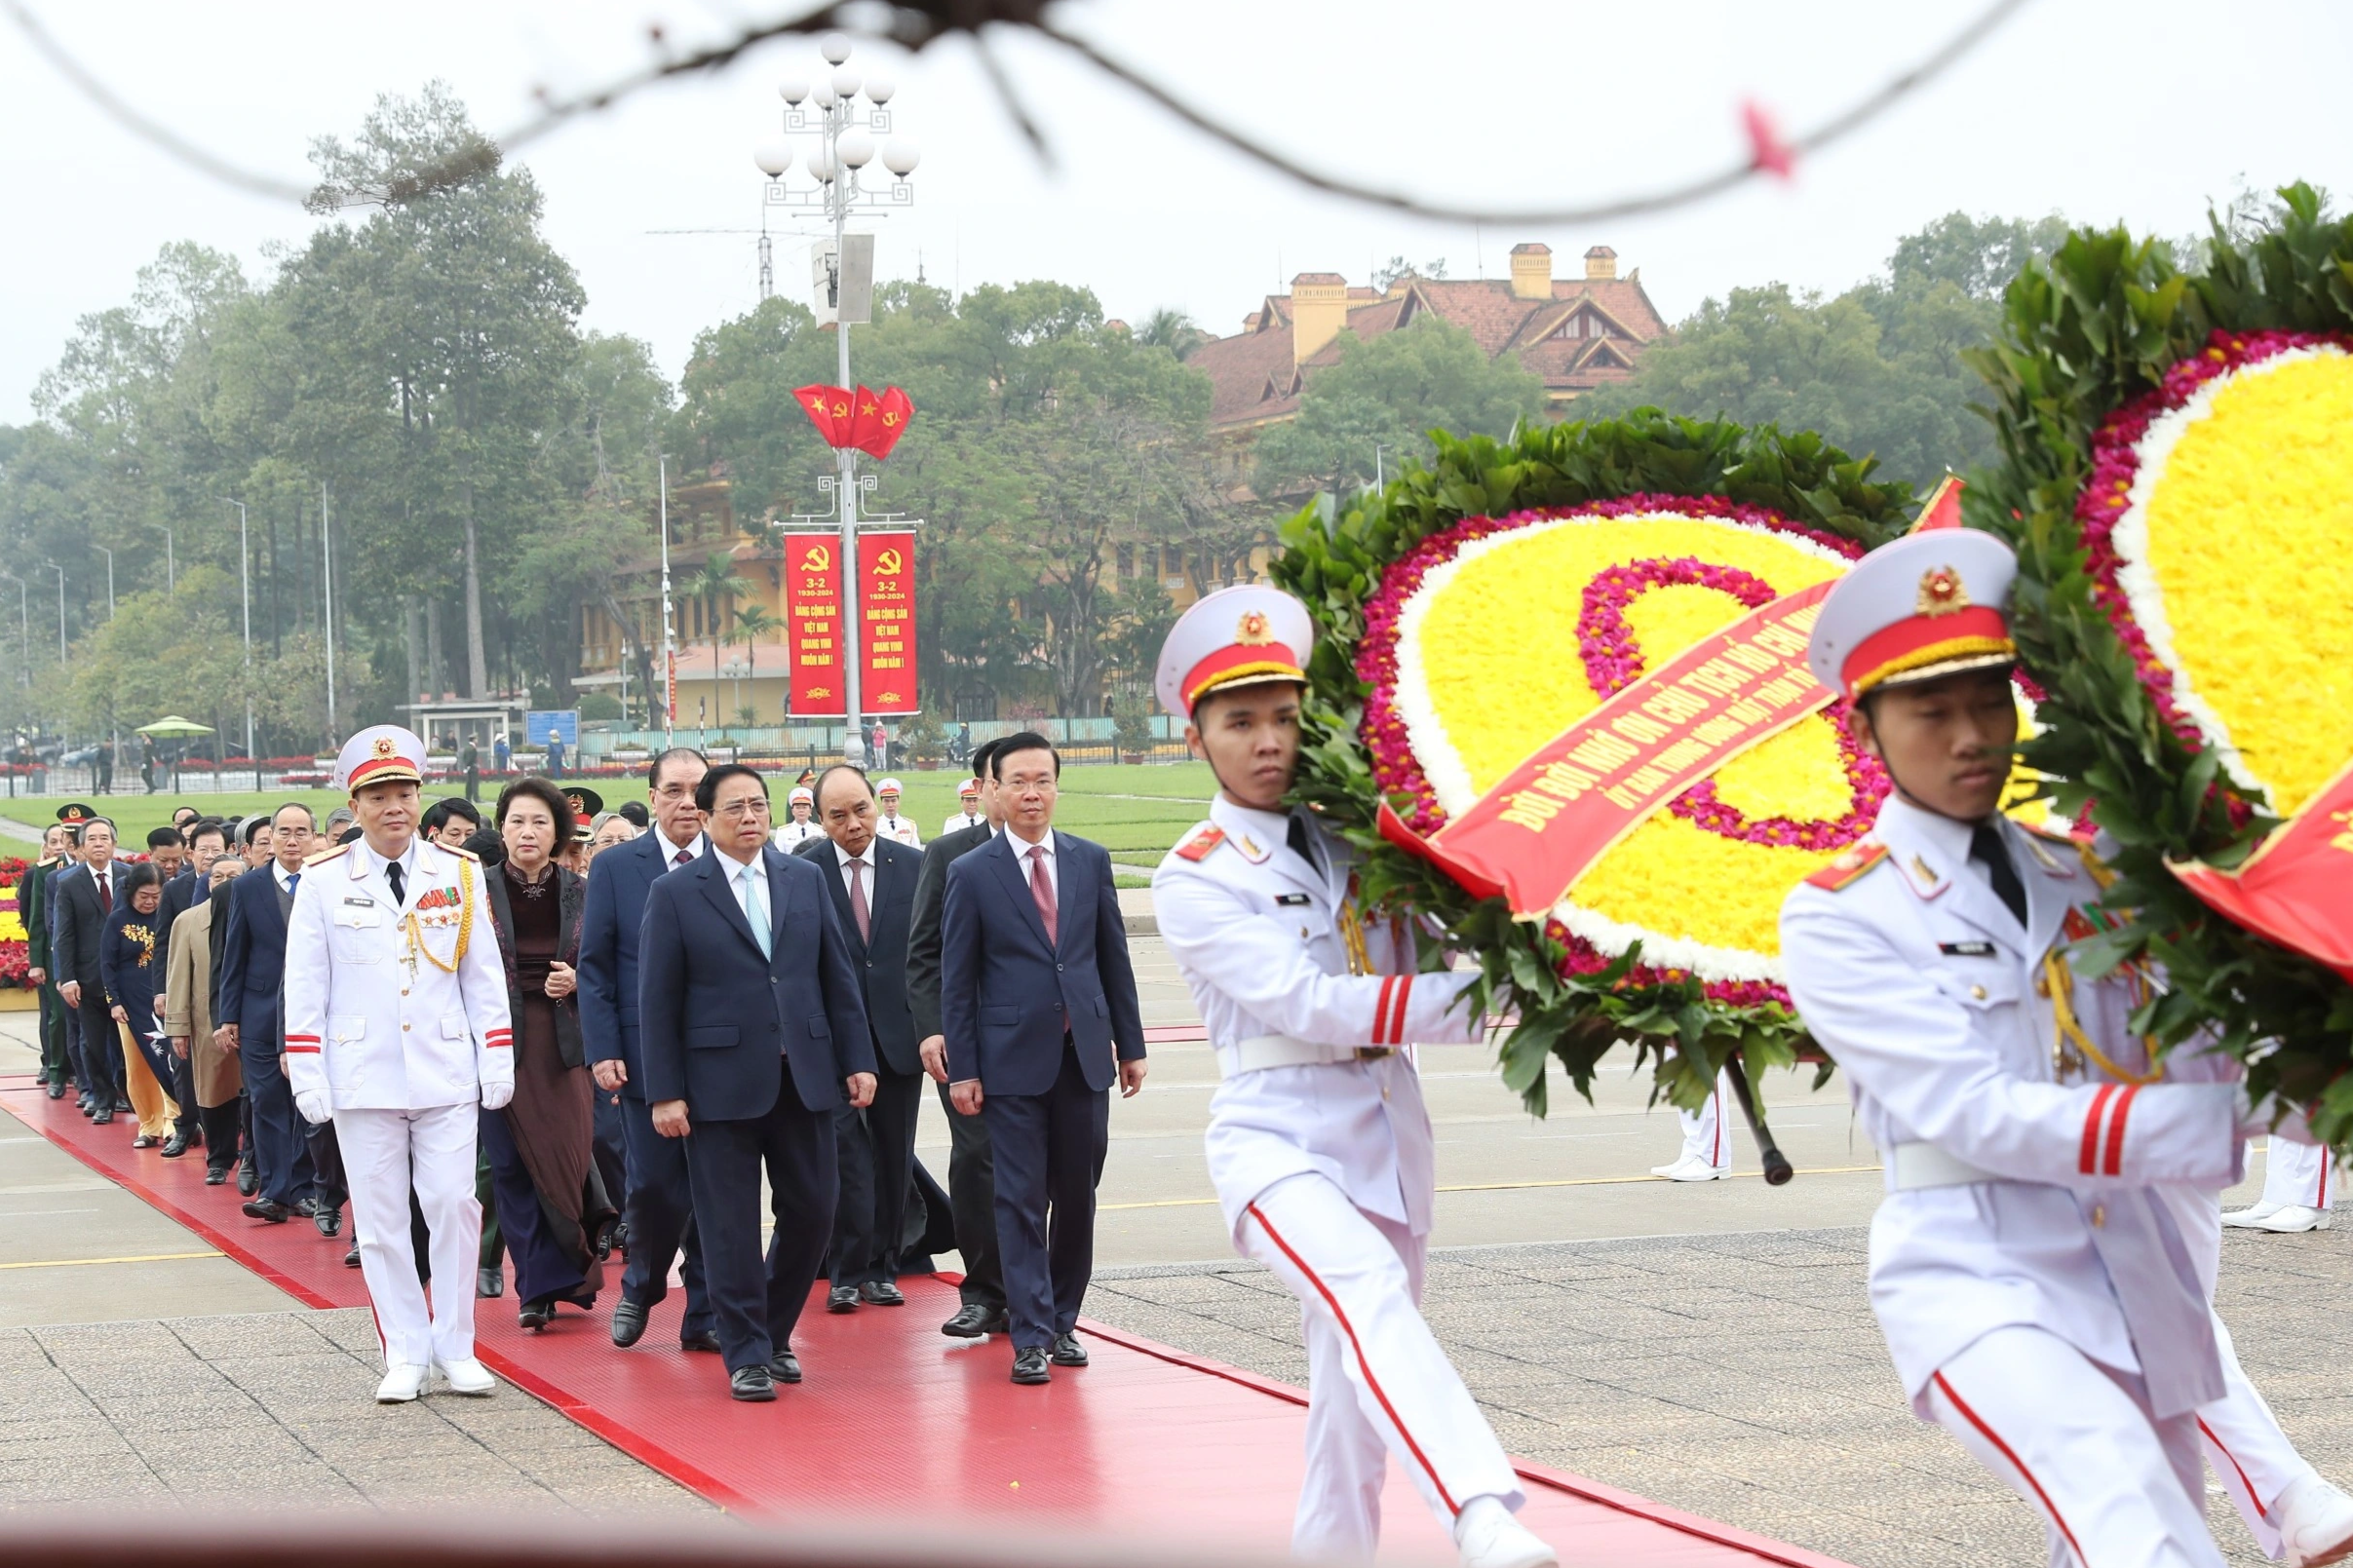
(1708, 1131)
(2298, 1175)
(385, 1152)
(2116, 1486)
(2252, 1458)
(1378, 1384)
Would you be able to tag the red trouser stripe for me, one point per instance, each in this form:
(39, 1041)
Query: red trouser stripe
(2124, 1108)
(2326, 1159)
(2089, 1158)
(1716, 1153)
(1363, 1365)
(1380, 1010)
(2011, 1454)
(2237, 1469)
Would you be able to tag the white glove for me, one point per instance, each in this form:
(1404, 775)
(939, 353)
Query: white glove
(496, 1094)
(314, 1105)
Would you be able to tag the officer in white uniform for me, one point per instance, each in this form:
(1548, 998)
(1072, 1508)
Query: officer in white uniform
(2042, 1297)
(798, 831)
(890, 824)
(2299, 1190)
(968, 793)
(1318, 1140)
(396, 1027)
(1707, 1154)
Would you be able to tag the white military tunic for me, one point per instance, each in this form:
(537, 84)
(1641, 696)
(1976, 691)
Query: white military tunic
(788, 834)
(898, 829)
(1325, 1171)
(961, 820)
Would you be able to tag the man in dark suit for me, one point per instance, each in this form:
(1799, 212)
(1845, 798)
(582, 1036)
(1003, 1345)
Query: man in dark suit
(751, 1029)
(972, 1194)
(872, 881)
(207, 842)
(81, 898)
(32, 907)
(252, 966)
(658, 1212)
(1038, 1003)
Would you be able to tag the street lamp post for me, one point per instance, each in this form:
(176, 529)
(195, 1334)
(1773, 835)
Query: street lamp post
(24, 627)
(845, 145)
(110, 554)
(170, 564)
(60, 571)
(244, 588)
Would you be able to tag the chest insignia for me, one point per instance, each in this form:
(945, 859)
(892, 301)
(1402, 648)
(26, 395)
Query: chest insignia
(1849, 866)
(1292, 899)
(1205, 838)
(1250, 848)
(1966, 949)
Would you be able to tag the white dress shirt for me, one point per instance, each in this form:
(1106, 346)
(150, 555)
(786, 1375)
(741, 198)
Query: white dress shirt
(749, 881)
(376, 863)
(843, 859)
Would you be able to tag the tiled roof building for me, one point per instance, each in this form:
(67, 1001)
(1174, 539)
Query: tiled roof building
(1575, 334)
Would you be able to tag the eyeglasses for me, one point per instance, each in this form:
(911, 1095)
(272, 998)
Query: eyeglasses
(754, 806)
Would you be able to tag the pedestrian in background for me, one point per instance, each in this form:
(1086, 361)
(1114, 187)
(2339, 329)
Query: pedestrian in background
(470, 758)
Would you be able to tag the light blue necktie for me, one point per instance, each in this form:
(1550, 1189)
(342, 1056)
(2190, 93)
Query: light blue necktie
(754, 910)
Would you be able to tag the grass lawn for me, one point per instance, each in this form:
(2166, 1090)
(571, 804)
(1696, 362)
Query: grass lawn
(1136, 811)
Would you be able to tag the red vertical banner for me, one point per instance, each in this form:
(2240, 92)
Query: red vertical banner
(886, 620)
(813, 613)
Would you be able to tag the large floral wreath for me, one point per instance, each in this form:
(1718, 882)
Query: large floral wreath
(2177, 479)
(1474, 608)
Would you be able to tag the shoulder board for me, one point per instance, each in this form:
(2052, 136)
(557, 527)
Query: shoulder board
(1197, 844)
(1847, 868)
(2043, 830)
(459, 850)
(325, 856)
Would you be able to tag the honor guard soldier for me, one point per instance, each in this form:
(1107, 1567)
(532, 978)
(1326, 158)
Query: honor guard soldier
(890, 824)
(968, 812)
(2036, 1264)
(396, 1027)
(798, 831)
(1318, 1140)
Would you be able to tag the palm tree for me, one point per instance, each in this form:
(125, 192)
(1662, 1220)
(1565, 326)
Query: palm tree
(714, 581)
(750, 624)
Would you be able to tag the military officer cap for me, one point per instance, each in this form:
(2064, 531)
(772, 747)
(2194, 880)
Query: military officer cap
(75, 813)
(585, 803)
(968, 789)
(889, 786)
(1928, 605)
(802, 792)
(381, 753)
(1236, 637)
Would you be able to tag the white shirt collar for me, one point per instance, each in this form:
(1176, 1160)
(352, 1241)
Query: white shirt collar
(735, 870)
(671, 851)
(1021, 847)
(843, 857)
(1903, 824)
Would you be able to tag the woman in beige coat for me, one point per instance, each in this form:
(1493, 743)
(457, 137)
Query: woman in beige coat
(188, 1025)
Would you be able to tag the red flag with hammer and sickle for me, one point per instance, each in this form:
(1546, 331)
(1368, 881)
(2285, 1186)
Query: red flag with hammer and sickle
(882, 418)
(832, 409)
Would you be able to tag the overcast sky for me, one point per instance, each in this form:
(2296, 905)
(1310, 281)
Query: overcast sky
(2096, 109)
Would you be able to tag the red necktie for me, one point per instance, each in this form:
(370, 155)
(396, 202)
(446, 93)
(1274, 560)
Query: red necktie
(865, 921)
(106, 895)
(1041, 887)
(682, 858)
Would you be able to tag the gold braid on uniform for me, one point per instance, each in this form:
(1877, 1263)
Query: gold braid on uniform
(465, 924)
(1352, 932)
(2061, 980)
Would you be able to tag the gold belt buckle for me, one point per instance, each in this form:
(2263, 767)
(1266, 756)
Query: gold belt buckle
(1374, 1053)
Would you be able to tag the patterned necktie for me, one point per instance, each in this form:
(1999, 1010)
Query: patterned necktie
(857, 905)
(1041, 887)
(682, 858)
(756, 911)
(1987, 848)
(391, 875)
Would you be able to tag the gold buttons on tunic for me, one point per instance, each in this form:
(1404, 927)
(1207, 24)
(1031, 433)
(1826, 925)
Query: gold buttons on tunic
(2099, 1216)
(1978, 992)
(2042, 985)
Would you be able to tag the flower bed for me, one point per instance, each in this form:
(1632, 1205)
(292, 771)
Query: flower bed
(1473, 611)
(2179, 482)
(16, 963)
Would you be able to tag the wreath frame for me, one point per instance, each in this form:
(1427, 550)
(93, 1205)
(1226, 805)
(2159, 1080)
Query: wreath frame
(2083, 336)
(1334, 556)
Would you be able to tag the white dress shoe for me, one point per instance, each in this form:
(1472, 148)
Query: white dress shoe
(1488, 1537)
(2253, 1216)
(2295, 1217)
(1696, 1169)
(400, 1385)
(468, 1377)
(1670, 1167)
(2316, 1523)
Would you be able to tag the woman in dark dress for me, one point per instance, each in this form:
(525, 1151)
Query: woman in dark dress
(126, 965)
(551, 1206)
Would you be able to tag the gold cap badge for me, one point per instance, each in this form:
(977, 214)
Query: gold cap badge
(1942, 593)
(384, 746)
(1253, 631)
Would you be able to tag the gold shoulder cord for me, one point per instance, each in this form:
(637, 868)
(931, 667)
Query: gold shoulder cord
(465, 923)
(2062, 983)
(1352, 932)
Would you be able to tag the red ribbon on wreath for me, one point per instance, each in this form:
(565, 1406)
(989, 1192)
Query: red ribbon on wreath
(870, 421)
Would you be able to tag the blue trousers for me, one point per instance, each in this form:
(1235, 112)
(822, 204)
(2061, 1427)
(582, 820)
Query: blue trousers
(660, 1214)
(281, 1156)
(757, 1304)
(1049, 1151)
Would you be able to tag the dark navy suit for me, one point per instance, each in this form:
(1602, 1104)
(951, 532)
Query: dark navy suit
(253, 969)
(660, 1206)
(77, 930)
(757, 1047)
(1043, 1025)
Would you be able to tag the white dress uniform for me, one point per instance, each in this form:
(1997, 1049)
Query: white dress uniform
(2041, 1295)
(788, 834)
(960, 821)
(2299, 1190)
(397, 1025)
(1319, 1143)
(1706, 1152)
(888, 823)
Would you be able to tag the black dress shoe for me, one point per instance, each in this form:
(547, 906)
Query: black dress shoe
(351, 1259)
(973, 1319)
(277, 1214)
(881, 1294)
(706, 1342)
(176, 1145)
(785, 1368)
(143, 1141)
(329, 1220)
(101, 1117)
(1029, 1365)
(1068, 1350)
(121, 1105)
(488, 1282)
(629, 1322)
(56, 1091)
(751, 1383)
(247, 1180)
(842, 1298)
(215, 1175)
(604, 1241)
(535, 1315)
(306, 1205)
(621, 1235)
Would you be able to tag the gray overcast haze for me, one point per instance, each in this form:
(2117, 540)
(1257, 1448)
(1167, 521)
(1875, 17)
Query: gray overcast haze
(2101, 112)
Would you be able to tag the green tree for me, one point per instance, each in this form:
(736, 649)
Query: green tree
(1384, 397)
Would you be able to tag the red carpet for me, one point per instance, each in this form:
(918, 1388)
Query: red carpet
(1147, 1442)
